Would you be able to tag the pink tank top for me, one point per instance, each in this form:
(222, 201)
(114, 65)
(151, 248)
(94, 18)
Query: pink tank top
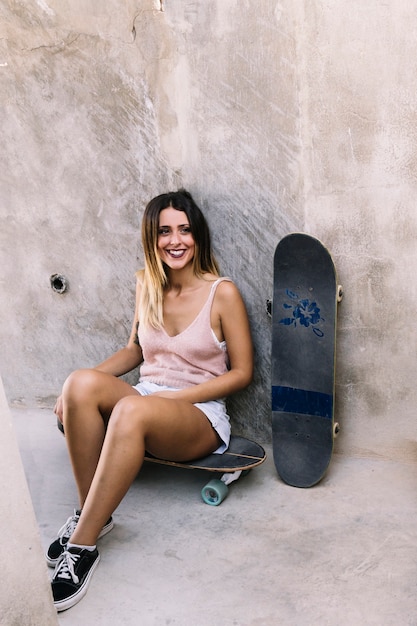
(189, 358)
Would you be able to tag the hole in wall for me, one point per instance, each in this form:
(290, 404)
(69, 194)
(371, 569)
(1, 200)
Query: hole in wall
(59, 283)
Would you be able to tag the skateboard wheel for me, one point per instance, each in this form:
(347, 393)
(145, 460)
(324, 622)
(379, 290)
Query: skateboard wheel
(339, 293)
(336, 429)
(214, 492)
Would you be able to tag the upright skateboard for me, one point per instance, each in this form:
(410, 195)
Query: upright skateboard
(303, 359)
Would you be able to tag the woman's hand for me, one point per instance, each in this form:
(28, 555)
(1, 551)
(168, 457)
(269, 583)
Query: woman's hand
(58, 409)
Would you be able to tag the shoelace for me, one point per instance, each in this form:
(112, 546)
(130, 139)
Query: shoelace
(65, 568)
(68, 528)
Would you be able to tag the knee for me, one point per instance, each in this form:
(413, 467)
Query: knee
(79, 386)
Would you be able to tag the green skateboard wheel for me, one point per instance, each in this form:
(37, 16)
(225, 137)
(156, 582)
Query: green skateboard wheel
(214, 492)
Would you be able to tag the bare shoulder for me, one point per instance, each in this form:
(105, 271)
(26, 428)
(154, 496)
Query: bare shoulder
(140, 276)
(231, 312)
(227, 293)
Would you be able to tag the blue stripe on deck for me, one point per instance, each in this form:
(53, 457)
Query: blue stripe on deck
(291, 400)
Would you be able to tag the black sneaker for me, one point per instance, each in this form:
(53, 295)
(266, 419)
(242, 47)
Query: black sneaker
(57, 547)
(72, 576)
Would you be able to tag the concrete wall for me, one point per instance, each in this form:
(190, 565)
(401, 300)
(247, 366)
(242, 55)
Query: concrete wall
(359, 112)
(25, 592)
(278, 116)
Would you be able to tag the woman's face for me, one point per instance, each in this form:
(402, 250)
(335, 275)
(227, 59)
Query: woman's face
(176, 245)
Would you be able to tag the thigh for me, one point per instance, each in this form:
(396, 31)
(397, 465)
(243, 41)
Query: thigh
(172, 429)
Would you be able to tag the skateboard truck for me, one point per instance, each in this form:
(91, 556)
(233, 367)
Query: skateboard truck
(268, 305)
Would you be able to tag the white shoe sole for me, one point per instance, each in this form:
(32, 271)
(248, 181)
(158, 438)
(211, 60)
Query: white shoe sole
(63, 605)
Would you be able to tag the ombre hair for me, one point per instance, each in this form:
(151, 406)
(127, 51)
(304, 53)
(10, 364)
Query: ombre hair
(155, 277)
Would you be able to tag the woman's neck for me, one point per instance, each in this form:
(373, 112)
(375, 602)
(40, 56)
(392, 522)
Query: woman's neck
(180, 280)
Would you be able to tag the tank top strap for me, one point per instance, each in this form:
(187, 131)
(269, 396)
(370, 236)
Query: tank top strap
(212, 293)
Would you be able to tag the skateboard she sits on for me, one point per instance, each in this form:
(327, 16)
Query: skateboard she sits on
(240, 457)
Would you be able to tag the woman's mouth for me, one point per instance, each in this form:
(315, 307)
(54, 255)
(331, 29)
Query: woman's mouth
(176, 254)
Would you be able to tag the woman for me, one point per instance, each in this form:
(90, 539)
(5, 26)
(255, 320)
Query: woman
(191, 335)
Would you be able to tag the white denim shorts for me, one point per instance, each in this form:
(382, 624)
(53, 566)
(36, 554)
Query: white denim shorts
(215, 411)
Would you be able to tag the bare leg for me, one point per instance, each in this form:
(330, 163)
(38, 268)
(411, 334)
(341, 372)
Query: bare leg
(88, 399)
(167, 428)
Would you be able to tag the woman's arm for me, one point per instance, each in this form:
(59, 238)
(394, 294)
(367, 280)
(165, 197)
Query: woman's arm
(231, 320)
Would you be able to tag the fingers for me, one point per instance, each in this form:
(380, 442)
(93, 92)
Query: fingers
(58, 409)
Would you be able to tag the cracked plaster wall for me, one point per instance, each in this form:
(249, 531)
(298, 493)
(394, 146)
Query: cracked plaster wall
(359, 107)
(278, 116)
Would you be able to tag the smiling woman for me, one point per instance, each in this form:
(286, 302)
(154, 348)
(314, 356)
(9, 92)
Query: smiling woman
(190, 335)
(155, 275)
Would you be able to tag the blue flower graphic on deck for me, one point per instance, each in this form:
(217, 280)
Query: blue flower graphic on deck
(304, 312)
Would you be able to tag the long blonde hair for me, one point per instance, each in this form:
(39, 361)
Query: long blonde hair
(155, 277)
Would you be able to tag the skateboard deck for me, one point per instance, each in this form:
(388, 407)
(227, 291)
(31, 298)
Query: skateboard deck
(304, 312)
(240, 457)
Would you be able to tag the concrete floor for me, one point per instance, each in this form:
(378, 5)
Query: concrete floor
(342, 553)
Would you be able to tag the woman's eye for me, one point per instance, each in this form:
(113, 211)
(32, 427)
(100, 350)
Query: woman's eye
(185, 230)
